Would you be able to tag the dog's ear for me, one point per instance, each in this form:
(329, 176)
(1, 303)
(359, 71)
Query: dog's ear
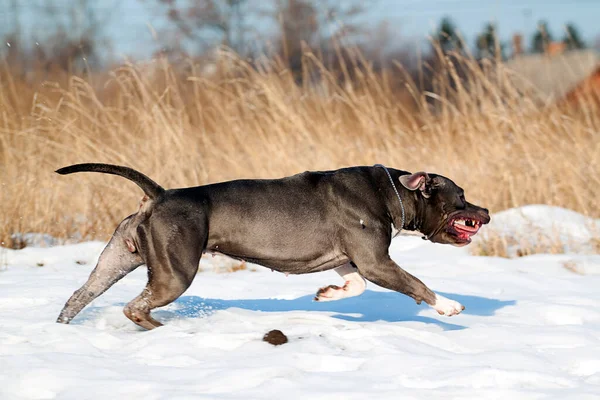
(417, 181)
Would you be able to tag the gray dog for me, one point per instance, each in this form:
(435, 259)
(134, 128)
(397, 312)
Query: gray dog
(309, 222)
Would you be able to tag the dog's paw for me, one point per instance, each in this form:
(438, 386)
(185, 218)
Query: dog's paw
(446, 306)
(329, 293)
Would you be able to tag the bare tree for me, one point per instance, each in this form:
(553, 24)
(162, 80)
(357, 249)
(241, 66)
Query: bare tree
(321, 25)
(316, 21)
(299, 24)
(205, 22)
(69, 36)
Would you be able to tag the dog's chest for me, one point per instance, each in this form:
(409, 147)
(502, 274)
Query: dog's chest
(395, 231)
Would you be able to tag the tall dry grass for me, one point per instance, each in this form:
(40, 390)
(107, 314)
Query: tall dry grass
(186, 129)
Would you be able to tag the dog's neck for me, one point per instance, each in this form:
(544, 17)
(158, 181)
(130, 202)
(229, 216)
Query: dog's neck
(412, 218)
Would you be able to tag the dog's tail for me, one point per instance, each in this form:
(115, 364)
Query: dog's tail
(151, 188)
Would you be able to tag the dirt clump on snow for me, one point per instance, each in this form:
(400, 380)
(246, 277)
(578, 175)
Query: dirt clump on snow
(275, 337)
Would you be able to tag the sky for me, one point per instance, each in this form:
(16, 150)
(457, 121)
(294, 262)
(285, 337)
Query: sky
(134, 27)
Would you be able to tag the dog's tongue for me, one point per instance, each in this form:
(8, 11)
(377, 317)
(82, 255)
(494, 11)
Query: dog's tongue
(471, 230)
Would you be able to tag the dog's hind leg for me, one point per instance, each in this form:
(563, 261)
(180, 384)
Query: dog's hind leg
(173, 259)
(354, 286)
(118, 258)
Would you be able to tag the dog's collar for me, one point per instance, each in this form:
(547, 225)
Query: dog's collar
(397, 194)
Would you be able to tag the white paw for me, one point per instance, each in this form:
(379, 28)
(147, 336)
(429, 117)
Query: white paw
(446, 306)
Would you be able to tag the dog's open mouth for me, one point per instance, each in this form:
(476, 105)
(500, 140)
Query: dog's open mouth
(462, 228)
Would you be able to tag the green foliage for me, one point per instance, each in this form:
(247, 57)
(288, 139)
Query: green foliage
(487, 43)
(447, 36)
(541, 39)
(572, 38)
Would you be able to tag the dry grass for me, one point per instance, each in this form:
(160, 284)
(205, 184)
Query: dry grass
(529, 243)
(188, 129)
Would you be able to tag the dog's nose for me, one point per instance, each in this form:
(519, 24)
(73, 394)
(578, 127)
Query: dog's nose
(486, 215)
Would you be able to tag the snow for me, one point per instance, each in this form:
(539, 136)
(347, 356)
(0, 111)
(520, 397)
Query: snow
(531, 329)
(543, 226)
(568, 223)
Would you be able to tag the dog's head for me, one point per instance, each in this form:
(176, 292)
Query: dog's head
(443, 213)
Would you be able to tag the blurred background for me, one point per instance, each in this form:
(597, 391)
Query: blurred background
(500, 96)
(108, 32)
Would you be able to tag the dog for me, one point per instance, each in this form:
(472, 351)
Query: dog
(343, 219)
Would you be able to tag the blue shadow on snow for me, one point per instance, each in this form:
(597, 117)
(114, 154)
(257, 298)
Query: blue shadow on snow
(368, 307)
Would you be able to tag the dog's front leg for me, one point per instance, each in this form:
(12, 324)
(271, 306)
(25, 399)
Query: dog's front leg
(386, 273)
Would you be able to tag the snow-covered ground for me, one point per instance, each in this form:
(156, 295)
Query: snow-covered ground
(531, 329)
(544, 229)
